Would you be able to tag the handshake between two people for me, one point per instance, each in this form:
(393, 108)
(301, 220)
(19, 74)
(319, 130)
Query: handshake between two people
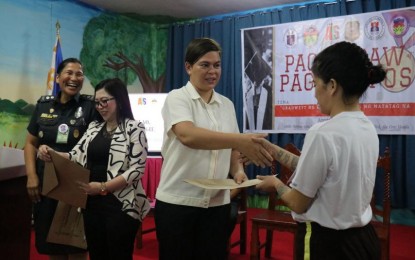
(257, 150)
(262, 153)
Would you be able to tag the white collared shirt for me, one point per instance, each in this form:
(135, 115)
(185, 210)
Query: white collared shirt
(337, 168)
(181, 162)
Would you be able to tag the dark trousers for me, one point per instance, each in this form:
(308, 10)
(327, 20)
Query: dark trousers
(187, 233)
(110, 233)
(322, 243)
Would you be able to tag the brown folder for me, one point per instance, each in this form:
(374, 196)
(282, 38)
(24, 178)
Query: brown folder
(60, 180)
(67, 227)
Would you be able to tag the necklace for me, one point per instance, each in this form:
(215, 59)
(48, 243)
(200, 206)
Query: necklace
(108, 133)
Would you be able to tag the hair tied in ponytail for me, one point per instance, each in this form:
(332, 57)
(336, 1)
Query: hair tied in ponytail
(370, 74)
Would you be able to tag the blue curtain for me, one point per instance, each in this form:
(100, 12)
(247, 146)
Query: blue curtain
(226, 30)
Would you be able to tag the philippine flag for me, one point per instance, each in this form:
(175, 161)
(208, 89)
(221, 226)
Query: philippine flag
(52, 85)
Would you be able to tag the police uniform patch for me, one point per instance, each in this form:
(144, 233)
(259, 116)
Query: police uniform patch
(63, 133)
(76, 133)
(63, 128)
(46, 98)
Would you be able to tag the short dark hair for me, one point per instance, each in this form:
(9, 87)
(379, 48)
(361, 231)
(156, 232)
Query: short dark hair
(199, 47)
(65, 62)
(350, 66)
(118, 89)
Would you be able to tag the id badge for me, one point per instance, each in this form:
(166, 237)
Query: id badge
(63, 133)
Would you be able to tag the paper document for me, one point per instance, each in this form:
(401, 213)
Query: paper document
(60, 180)
(221, 184)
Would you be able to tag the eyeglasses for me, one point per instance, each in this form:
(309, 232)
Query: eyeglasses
(103, 102)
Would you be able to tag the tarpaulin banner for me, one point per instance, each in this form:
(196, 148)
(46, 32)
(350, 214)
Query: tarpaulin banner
(277, 78)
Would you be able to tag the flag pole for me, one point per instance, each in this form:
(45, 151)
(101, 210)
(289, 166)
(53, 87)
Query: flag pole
(58, 27)
(52, 87)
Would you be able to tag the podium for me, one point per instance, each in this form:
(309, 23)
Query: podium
(15, 206)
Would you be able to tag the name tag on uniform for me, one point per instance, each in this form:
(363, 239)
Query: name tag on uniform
(63, 133)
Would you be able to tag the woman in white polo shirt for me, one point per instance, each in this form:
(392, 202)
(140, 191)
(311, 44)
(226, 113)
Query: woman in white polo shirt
(334, 179)
(201, 141)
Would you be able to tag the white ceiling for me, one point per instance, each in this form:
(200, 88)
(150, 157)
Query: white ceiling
(185, 8)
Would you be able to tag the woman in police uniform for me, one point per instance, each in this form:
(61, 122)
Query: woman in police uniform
(58, 122)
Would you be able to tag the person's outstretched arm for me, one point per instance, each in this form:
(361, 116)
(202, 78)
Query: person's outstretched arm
(201, 138)
(295, 200)
(279, 154)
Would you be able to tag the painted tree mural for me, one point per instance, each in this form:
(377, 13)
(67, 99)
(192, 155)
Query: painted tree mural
(127, 48)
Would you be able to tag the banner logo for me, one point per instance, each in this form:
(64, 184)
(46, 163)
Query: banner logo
(399, 26)
(375, 28)
(352, 31)
(290, 37)
(310, 36)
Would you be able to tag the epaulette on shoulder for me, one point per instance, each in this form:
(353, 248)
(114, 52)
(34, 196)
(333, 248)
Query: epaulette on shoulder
(87, 97)
(46, 98)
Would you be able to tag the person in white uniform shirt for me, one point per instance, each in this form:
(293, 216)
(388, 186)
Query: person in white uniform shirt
(201, 141)
(334, 177)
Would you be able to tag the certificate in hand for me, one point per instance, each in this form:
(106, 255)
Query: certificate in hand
(221, 184)
(60, 180)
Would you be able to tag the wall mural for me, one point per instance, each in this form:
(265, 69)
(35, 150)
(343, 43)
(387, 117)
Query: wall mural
(132, 48)
(119, 46)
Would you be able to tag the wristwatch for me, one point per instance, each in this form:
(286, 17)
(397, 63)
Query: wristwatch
(104, 190)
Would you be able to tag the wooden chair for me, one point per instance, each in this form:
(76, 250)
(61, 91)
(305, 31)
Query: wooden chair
(273, 218)
(141, 232)
(242, 221)
(381, 216)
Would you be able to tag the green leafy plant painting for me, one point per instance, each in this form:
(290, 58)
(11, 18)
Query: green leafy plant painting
(123, 47)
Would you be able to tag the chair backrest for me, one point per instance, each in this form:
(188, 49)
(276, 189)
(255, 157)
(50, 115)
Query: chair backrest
(242, 195)
(384, 167)
(244, 200)
(284, 175)
(241, 219)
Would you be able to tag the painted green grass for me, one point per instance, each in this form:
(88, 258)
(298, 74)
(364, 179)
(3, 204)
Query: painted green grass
(13, 129)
